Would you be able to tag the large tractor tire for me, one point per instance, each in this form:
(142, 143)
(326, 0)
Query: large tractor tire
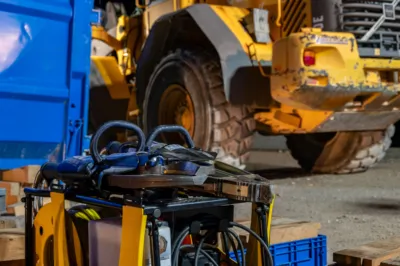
(342, 152)
(186, 88)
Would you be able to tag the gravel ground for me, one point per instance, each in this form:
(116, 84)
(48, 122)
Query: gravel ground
(352, 209)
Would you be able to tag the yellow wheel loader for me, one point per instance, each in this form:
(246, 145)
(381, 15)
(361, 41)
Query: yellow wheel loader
(322, 73)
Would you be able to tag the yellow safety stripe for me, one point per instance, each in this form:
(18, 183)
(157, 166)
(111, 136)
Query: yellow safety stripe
(271, 207)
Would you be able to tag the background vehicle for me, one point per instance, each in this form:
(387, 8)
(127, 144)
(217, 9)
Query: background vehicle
(324, 74)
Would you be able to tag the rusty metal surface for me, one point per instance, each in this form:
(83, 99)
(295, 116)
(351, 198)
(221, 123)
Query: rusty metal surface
(248, 188)
(154, 181)
(359, 121)
(227, 181)
(336, 97)
(237, 184)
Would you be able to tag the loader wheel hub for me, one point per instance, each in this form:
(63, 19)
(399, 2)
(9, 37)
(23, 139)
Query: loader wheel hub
(176, 107)
(183, 116)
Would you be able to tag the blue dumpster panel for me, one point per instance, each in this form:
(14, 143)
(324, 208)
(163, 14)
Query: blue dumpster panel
(44, 70)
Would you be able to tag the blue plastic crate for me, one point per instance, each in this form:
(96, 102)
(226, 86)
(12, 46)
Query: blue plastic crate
(305, 252)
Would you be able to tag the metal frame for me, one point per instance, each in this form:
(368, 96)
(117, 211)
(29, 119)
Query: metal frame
(135, 219)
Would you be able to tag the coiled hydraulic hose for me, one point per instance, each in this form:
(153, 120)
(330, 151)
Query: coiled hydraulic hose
(230, 235)
(259, 239)
(84, 212)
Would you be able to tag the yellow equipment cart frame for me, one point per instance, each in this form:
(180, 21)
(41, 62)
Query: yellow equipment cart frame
(52, 238)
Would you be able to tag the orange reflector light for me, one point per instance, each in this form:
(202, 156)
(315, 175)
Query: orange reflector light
(188, 240)
(309, 58)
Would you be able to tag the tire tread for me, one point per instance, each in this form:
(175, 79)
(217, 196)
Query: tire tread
(232, 126)
(370, 150)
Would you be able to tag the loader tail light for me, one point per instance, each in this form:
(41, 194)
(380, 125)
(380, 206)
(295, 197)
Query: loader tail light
(309, 58)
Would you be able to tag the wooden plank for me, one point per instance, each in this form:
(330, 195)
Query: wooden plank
(242, 212)
(282, 230)
(13, 188)
(18, 209)
(371, 254)
(287, 230)
(7, 222)
(17, 231)
(24, 175)
(12, 244)
(13, 263)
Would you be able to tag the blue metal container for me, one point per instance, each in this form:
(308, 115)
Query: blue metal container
(44, 79)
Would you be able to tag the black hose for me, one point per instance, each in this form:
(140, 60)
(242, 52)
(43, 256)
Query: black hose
(230, 234)
(225, 243)
(263, 230)
(197, 254)
(178, 241)
(204, 253)
(262, 242)
(240, 243)
(233, 247)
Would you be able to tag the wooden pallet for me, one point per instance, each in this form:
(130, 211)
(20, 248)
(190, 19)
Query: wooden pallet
(285, 230)
(12, 240)
(377, 253)
(12, 246)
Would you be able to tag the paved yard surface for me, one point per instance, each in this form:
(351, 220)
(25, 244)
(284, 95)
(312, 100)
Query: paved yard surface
(353, 209)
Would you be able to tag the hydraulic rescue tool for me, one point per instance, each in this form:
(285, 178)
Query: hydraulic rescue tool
(145, 203)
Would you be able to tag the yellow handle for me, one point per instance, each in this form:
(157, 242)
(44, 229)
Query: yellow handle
(278, 19)
(271, 207)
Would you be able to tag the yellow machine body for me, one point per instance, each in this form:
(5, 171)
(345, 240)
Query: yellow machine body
(277, 67)
(340, 92)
